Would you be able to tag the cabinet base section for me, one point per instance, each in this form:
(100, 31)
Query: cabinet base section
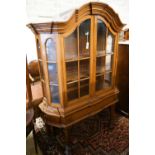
(62, 121)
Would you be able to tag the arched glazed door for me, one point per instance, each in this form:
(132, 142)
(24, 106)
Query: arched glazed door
(77, 61)
(104, 55)
(95, 36)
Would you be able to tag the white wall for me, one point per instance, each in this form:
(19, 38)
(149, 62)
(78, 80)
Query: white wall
(54, 10)
(30, 45)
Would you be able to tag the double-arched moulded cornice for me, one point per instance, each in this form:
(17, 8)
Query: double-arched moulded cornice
(93, 8)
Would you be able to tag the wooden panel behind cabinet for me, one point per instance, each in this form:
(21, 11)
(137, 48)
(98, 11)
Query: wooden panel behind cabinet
(123, 78)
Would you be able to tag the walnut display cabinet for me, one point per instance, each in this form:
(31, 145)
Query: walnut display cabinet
(77, 62)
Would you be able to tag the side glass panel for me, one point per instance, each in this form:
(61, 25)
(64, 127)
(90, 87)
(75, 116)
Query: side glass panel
(53, 76)
(50, 45)
(54, 93)
(51, 49)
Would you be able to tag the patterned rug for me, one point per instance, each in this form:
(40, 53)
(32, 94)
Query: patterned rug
(91, 136)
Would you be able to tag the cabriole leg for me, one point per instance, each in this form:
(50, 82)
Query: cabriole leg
(112, 116)
(67, 146)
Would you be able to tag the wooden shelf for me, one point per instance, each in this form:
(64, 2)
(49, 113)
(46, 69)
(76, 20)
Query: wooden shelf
(70, 60)
(84, 78)
(84, 58)
(100, 74)
(84, 55)
(100, 69)
(110, 53)
(75, 88)
(81, 79)
(54, 84)
(103, 73)
(77, 59)
(108, 71)
(101, 55)
(105, 54)
(72, 81)
(51, 62)
(71, 78)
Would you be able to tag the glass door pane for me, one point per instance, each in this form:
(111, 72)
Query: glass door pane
(99, 82)
(84, 69)
(107, 80)
(84, 77)
(110, 43)
(100, 65)
(104, 56)
(109, 62)
(109, 59)
(84, 39)
(100, 54)
(84, 87)
(70, 46)
(71, 62)
(84, 54)
(72, 71)
(101, 38)
(72, 91)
